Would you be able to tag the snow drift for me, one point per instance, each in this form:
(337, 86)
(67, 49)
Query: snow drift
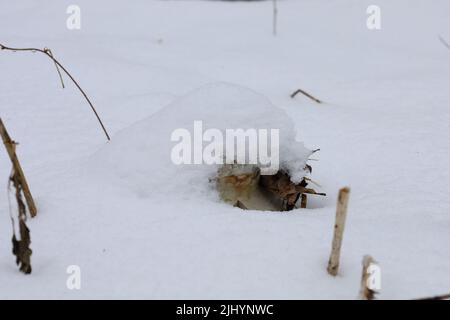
(139, 157)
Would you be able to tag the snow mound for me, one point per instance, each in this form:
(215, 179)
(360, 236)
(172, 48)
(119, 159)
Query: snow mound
(139, 157)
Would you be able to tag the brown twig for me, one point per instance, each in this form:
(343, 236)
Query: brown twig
(441, 297)
(306, 94)
(48, 53)
(311, 191)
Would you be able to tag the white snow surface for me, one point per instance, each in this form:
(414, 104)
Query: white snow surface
(109, 208)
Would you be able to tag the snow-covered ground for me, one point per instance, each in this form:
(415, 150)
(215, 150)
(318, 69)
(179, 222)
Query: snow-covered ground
(384, 131)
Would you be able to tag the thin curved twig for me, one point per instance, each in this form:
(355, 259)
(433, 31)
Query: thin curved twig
(306, 94)
(48, 53)
(57, 68)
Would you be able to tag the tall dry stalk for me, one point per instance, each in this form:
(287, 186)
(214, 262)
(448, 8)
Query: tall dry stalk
(10, 146)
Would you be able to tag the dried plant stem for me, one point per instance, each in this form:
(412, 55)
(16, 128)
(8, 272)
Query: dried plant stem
(11, 149)
(21, 248)
(48, 53)
(306, 94)
(341, 214)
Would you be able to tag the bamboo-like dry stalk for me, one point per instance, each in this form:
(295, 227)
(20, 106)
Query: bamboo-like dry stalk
(11, 149)
(341, 214)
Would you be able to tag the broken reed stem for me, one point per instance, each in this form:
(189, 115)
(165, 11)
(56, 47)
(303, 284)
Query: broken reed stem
(365, 292)
(48, 53)
(306, 94)
(341, 214)
(303, 201)
(11, 149)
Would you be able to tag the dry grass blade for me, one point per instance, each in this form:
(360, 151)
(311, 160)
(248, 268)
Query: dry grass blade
(21, 248)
